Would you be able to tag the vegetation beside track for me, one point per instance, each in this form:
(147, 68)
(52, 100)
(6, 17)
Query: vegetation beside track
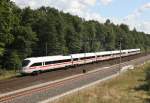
(130, 87)
(5, 74)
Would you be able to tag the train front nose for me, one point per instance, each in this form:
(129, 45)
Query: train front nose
(23, 70)
(25, 65)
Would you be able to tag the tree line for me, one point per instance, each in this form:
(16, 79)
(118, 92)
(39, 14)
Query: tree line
(47, 31)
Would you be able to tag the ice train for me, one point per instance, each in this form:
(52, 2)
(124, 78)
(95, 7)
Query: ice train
(38, 64)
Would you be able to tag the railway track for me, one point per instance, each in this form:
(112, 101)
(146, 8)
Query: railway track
(29, 92)
(10, 97)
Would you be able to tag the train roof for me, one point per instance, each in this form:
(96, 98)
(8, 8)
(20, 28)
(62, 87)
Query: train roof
(48, 58)
(80, 55)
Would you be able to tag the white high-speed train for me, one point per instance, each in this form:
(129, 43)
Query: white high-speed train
(38, 64)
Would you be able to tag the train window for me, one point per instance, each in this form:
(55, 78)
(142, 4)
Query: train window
(48, 62)
(67, 60)
(61, 61)
(74, 59)
(36, 64)
(56, 62)
(108, 55)
(88, 57)
(99, 56)
(25, 63)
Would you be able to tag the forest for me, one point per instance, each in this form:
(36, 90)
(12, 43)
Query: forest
(48, 31)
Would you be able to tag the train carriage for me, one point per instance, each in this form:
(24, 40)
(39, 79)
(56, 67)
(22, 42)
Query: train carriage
(44, 63)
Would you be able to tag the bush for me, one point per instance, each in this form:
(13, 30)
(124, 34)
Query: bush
(148, 75)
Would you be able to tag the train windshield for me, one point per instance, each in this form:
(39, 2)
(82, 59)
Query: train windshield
(25, 63)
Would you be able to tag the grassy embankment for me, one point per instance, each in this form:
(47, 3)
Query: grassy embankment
(4, 74)
(130, 87)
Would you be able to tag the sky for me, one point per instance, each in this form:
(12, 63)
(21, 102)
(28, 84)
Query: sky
(134, 13)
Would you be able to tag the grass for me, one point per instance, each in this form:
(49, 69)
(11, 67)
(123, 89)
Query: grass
(126, 88)
(5, 74)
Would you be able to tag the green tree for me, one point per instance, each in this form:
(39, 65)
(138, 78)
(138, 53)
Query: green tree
(73, 40)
